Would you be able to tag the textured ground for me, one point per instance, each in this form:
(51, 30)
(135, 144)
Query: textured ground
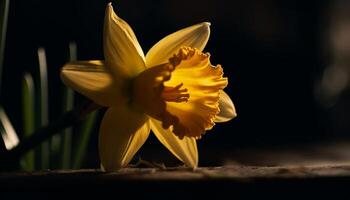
(320, 171)
(311, 181)
(184, 174)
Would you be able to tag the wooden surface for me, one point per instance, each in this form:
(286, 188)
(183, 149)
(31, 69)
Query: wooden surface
(185, 174)
(174, 183)
(310, 172)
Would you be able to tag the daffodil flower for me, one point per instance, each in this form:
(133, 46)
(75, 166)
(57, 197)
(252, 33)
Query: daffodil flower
(174, 91)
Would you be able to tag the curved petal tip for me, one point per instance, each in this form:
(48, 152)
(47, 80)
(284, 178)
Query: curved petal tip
(195, 36)
(227, 108)
(206, 24)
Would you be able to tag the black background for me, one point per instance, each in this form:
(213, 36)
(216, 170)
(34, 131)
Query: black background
(272, 52)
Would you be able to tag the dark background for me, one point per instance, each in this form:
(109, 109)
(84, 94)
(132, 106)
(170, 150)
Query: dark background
(272, 51)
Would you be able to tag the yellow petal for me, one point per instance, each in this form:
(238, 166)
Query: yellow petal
(122, 133)
(185, 149)
(93, 80)
(195, 36)
(227, 109)
(123, 54)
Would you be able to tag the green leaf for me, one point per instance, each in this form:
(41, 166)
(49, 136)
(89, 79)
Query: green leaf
(68, 103)
(28, 108)
(4, 10)
(72, 51)
(83, 140)
(43, 117)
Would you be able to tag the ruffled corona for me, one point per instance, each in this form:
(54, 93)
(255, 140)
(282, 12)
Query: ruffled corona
(183, 94)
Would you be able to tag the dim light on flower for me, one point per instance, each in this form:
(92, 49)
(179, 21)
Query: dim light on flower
(173, 90)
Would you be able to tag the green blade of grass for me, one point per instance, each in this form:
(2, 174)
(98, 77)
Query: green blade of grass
(83, 140)
(68, 102)
(28, 108)
(72, 51)
(4, 9)
(43, 102)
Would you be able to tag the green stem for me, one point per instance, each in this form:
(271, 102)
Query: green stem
(4, 10)
(43, 118)
(83, 140)
(28, 104)
(68, 102)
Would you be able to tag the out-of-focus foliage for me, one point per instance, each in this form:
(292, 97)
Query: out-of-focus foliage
(28, 108)
(4, 9)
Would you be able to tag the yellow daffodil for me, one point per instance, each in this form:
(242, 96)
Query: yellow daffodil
(173, 91)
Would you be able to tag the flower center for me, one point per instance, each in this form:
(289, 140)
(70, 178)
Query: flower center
(175, 94)
(150, 94)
